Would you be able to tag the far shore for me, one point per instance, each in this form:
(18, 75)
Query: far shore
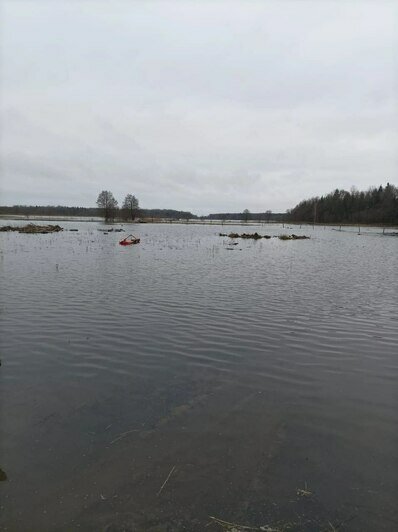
(191, 221)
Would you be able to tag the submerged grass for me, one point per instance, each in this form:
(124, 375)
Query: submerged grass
(299, 525)
(235, 527)
(281, 526)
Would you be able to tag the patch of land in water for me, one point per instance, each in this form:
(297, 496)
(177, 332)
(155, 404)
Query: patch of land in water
(31, 229)
(256, 236)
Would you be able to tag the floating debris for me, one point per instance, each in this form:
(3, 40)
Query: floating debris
(3, 476)
(129, 240)
(304, 492)
(111, 230)
(32, 229)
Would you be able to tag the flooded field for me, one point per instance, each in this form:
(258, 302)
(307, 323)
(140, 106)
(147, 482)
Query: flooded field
(150, 387)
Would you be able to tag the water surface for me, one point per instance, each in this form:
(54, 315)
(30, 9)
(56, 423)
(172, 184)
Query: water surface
(248, 373)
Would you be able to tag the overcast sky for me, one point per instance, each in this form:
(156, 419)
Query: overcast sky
(202, 106)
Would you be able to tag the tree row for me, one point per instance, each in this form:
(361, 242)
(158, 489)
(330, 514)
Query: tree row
(109, 208)
(108, 205)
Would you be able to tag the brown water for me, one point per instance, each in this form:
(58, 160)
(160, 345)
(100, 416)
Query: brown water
(247, 374)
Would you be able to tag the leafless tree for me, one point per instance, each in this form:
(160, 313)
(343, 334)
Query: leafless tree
(130, 206)
(108, 204)
(246, 214)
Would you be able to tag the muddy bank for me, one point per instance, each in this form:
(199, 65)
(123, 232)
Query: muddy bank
(32, 229)
(293, 237)
(256, 236)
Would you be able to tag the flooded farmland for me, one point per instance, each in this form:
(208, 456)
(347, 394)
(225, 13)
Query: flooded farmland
(153, 387)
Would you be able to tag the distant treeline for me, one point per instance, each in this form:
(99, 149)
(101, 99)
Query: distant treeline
(59, 210)
(376, 205)
(254, 216)
(167, 213)
(49, 210)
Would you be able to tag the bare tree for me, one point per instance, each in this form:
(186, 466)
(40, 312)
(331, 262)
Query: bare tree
(246, 214)
(268, 215)
(130, 205)
(108, 204)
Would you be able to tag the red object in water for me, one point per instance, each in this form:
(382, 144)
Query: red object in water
(129, 240)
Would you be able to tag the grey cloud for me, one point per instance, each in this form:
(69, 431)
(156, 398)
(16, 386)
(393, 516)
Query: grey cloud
(210, 106)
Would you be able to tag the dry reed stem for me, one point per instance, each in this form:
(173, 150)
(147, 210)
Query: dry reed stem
(165, 482)
(123, 435)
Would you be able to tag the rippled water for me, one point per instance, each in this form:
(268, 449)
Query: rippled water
(247, 373)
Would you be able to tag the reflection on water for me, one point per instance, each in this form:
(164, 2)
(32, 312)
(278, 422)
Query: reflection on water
(254, 374)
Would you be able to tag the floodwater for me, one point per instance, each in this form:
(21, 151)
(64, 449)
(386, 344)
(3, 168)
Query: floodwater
(149, 387)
